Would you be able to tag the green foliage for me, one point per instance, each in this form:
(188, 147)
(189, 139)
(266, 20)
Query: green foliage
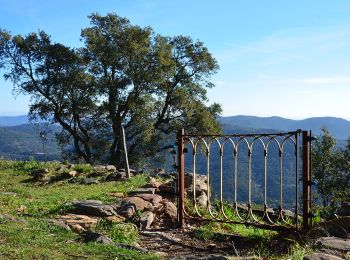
(123, 75)
(331, 172)
(83, 168)
(126, 233)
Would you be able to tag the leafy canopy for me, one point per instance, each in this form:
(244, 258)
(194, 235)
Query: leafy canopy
(124, 75)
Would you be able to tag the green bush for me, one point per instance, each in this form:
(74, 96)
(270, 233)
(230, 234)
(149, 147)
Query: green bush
(125, 233)
(83, 168)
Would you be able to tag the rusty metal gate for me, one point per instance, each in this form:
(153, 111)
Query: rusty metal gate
(215, 207)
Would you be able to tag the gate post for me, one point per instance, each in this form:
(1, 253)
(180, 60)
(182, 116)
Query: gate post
(181, 178)
(307, 216)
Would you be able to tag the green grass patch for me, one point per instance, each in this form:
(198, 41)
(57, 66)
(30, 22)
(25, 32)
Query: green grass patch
(38, 239)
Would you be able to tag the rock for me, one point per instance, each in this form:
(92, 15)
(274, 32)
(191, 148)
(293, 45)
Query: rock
(137, 202)
(111, 168)
(143, 190)
(344, 210)
(77, 228)
(202, 200)
(166, 188)
(85, 222)
(127, 211)
(89, 181)
(116, 176)
(158, 171)
(154, 183)
(8, 193)
(94, 208)
(335, 243)
(147, 220)
(39, 174)
(170, 210)
(116, 219)
(12, 218)
(132, 171)
(242, 207)
(73, 173)
(339, 227)
(116, 194)
(321, 256)
(100, 168)
(90, 236)
(201, 180)
(58, 223)
(153, 198)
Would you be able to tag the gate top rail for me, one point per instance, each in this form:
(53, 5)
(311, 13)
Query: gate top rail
(299, 131)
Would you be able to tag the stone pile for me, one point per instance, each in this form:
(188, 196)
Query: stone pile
(144, 207)
(72, 173)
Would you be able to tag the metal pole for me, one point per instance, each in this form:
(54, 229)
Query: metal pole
(181, 178)
(125, 152)
(306, 181)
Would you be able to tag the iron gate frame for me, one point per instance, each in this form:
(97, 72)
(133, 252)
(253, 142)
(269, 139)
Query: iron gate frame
(306, 170)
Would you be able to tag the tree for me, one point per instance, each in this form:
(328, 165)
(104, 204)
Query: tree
(53, 75)
(123, 75)
(324, 159)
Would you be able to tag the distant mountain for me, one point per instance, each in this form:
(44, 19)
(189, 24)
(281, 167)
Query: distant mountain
(339, 127)
(13, 120)
(23, 142)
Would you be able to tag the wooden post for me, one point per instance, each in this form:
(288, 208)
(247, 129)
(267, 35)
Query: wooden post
(307, 218)
(125, 152)
(181, 178)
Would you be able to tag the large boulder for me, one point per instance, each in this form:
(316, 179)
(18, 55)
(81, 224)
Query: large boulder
(344, 209)
(321, 256)
(136, 202)
(94, 208)
(335, 243)
(153, 198)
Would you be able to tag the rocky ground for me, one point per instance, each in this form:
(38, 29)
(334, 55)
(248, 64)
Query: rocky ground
(150, 210)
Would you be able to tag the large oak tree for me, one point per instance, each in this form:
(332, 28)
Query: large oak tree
(124, 75)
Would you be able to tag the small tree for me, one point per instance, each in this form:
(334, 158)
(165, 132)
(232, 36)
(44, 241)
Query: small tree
(324, 160)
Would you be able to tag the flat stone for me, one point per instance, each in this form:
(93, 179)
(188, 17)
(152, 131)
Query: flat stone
(116, 176)
(94, 208)
(335, 243)
(8, 193)
(116, 194)
(12, 218)
(137, 202)
(111, 168)
(58, 223)
(89, 181)
(153, 198)
(321, 256)
(81, 220)
(116, 219)
(143, 190)
(90, 236)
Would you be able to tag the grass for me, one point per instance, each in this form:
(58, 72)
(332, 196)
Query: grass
(36, 238)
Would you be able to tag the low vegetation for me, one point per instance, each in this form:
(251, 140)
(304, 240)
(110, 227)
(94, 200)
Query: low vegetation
(29, 236)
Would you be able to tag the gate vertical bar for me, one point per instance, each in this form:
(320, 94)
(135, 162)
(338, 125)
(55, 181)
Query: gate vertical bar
(181, 178)
(307, 220)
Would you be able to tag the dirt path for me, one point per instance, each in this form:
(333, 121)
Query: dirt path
(181, 244)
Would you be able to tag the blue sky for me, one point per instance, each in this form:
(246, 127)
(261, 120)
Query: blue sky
(283, 58)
